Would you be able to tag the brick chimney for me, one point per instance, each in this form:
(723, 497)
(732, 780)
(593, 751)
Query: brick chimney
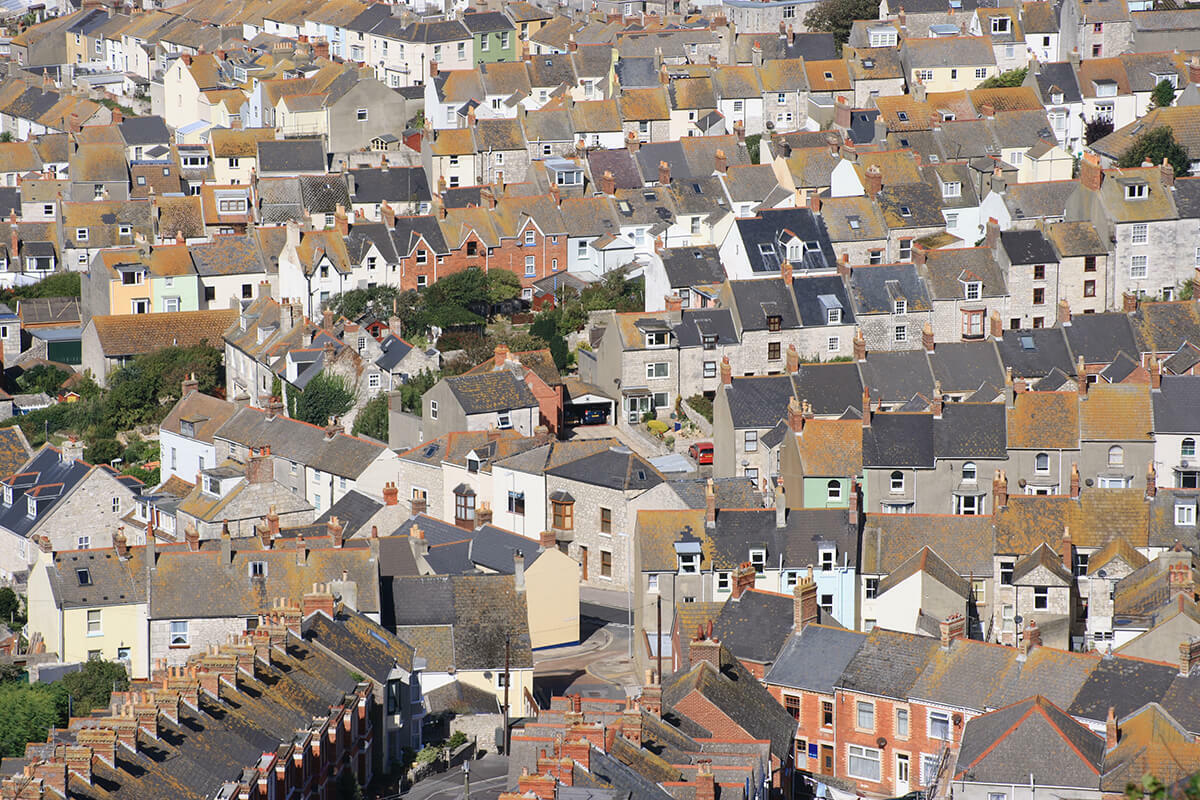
(938, 404)
(192, 537)
(1193, 70)
(341, 222)
(992, 237)
(1166, 173)
(335, 529)
(720, 162)
(1155, 373)
(1075, 482)
(852, 508)
(866, 407)
(501, 356)
(996, 326)
(726, 371)
(664, 173)
(795, 415)
(1032, 638)
(927, 337)
(190, 384)
(999, 491)
(483, 515)
(259, 468)
(1151, 481)
(319, 599)
(632, 143)
(792, 360)
(121, 544)
(804, 602)
(1081, 383)
(1091, 176)
(706, 784)
(1111, 733)
(743, 579)
(391, 497)
(547, 540)
(860, 345)
(1179, 579)
(1189, 655)
(1065, 549)
(710, 504)
(704, 648)
(785, 272)
(739, 130)
(1064, 312)
(874, 180)
(1129, 302)
(951, 628)
(673, 303)
(608, 183)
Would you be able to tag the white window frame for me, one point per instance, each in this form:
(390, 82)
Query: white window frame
(858, 757)
(178, 633)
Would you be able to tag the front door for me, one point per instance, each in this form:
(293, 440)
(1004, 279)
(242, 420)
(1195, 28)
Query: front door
(827, 759)
(901, 774)
(583, 561)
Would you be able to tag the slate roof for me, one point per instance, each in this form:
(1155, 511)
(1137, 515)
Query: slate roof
(1034, 740)
(971, 430)
(1033, 353)
(758, 402)
(394, 184)
(489, 547)
(768, 231)
(1028, 247)
(965, 366)
(1125, 684)
(367, 645)
(755, 626)
(814, 658)
(899, 440)
(491, 391)
(692, 266)
(1177, 404)
(616, 467)
(897, 376)
(887, 659)
(299, 442)
(829, 388)
(695, 324)
(756, 301)
(876, 288)
(291, 156)
(1100, 337)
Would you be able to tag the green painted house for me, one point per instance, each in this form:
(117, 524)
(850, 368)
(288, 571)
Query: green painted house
(495, 36)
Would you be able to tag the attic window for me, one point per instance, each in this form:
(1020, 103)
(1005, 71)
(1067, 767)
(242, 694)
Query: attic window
(84, 577)
(1135, 191)
(905, 211)
(1056, 98)
(902, 116)
(767, 249)
(258, 569)
(1027, 343)
(1000, 24)
(855, 223)
(758, 557)
(828, 76)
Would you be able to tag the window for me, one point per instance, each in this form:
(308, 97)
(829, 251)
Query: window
(81, 234)
(530, 266)
(833, 316)
(656, 339)
(1041, 597)
(828, 560)
(1136, 191)
(93, 623)
(758, 558)
(902, 723)
(605, 520)
(373, 380)
(899, 307)
(689, 563)
(1116, 456)
(865, 715)
(969, 505)
(516, 503)
(1006, 573)
(1140, 233)
(1185, 513)
(464, 507)
(875, 257)
(179, 633)
(906, 249)
(658, 369)
(433, 409)
(1089, 288)
(863, 763)
(605, 564)
(871, 588)
(652, 583)
(826, 714)
(258, 569)
(563, 515)
(791, 704)
(724, 581)
(773, 351)
(980, 73)
(774, 323)
(952, 189)
(530, 237)
(896, 483)
(900, 334)
(1000, 24)
(972, 324)
(833, 344)
(833, 491)
(750, 442)
(939, 725)
(1039, 296)
(1041, 464)
(710, 369)
(969, 472)
(83, 542)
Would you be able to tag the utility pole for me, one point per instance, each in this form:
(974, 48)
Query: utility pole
(507, 680)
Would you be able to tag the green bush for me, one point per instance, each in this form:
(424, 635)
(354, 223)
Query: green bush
(373, 419)
(457, 739)
(42, 378)
(326, 395)
(428, 754)
(657, 427)
(702, 406)
(103, 451)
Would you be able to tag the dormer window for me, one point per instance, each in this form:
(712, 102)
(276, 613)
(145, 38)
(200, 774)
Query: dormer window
(899, 307)
(1056, 98)
(30, 507)
(828, 557)
(833, 316)
(8, 495)
(1185, 514)
(1135, 191)
(1001, 24)
(758, 559)
(952, 189)
(211, 485)
(657, 338)
(795, 250)
(689, 563)
(472, 464)
(187, 428)
(774, 323)
(257, 569)
(972, 290)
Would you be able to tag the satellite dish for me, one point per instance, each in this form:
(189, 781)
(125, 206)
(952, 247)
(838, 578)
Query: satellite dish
(1102, 573)
(1018, 619)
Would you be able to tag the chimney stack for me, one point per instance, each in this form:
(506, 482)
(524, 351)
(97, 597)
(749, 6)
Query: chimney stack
(710, 504)
(1189, 655)
(720, 162)
(1068, 561)
(1155, 373)
(860, 345)
(519, 570)
(1064, 312)
(1111, 734)
(992, 237)
(608, 183)
(726, 371)
(996, 325)
(866, 407)
(743, 579)
(804, 602)
(874, 180)
(927, 337)
(792, 360)
(391, 497)
(190, 384)
(785, 272)
(335, 529)
(1091, 176)
(664, 173)
(1151, 481)
(1075, 482)
(999, 491)
(951, 628)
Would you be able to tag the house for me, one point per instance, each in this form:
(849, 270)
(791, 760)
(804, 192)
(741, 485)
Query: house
(111, 341)
(480, 401)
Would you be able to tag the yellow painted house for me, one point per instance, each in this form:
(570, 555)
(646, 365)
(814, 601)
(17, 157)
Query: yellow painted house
(92, 604)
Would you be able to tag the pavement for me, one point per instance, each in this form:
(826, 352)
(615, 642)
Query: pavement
(489, 776)
(599, 666)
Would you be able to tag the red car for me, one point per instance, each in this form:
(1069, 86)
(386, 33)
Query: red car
(702, 452)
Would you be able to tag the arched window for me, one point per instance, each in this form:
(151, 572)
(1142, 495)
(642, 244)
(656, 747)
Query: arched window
(897, 482)
(1041, 463)
(968, 472)
(834, 491)
(1116, 456)
(1187, 448)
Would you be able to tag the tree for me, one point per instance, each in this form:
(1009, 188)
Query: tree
(27, 714)
(326, 395)
(502, 285)
(103, 451)
(347, 787)
(1155, 145)
(1096, 129)
(837, 17)
(356, 302)
(1006, 80)
(6, 136)
(42, 378)
(411, 392)
(1163, 94)
(373, 419)
(91, 686)
(10, 608)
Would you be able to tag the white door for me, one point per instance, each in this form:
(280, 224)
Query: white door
(901, 774)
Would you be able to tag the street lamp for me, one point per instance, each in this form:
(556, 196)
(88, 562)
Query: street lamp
(466, 765)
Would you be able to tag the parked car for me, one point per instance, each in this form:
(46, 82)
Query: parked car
(702, 452)
(594, 416)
